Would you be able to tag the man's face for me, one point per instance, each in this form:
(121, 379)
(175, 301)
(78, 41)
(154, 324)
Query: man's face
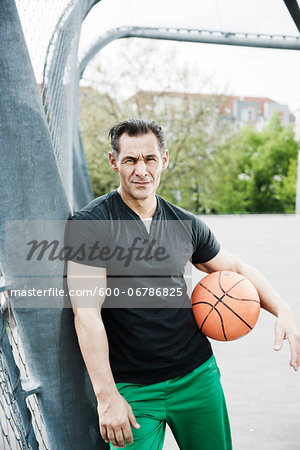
(139, 163)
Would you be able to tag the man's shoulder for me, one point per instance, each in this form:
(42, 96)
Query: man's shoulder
(176, 211)
(97, 209)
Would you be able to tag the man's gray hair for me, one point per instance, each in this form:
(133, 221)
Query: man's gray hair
(134, 127)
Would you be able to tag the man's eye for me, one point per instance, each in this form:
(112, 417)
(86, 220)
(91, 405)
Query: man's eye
(129, 161)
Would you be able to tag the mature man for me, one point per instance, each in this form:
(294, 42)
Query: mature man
(148, 362)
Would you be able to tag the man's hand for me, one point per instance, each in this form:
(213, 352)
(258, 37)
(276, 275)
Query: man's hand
(116, 418)
(285, 328)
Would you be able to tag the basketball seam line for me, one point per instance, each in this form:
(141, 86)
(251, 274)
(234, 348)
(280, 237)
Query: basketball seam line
(231, 296)
(220, 285)
(226, 293)
(243, 299)
(212, 309)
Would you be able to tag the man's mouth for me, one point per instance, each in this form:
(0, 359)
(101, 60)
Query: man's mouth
(141, 182)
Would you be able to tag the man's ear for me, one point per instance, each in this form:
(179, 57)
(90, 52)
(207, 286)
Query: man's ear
(113, 162)
(165, 159)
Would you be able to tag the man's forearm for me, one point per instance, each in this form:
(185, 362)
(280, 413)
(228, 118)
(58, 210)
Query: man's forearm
(270, 299)
(224, 260)
(94, 348)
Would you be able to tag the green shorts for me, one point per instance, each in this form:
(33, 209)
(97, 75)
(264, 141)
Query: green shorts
(193, 406)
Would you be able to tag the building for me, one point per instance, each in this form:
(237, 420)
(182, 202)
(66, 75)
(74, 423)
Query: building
(256, 111)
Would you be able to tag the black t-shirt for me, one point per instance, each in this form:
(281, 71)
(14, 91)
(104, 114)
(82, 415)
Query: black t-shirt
(151, 330)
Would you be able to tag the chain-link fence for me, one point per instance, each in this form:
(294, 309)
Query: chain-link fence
(21, 424)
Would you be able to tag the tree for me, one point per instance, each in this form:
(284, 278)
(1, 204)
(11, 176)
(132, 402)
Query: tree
(261, 174)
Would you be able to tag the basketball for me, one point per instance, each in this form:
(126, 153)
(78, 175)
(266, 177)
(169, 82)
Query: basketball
(226, 305)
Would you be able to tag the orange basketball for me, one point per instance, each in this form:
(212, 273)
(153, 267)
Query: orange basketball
(226, 305)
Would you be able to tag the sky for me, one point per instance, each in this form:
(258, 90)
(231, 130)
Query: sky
(240, 70)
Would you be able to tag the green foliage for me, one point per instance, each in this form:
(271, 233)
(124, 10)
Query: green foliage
(255, 171)
(92, 120)
(285, 191)
(225, 187)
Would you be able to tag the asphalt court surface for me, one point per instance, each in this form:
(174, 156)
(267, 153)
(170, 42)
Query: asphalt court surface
(261, 389)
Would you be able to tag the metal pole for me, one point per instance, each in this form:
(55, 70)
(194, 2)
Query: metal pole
(190, 35)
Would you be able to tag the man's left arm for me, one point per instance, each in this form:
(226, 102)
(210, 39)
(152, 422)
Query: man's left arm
(285, 326)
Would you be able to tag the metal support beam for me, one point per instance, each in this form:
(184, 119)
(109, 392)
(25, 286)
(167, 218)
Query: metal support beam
(192, 35)
(294, 10)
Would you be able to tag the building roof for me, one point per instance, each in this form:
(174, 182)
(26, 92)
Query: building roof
(260, 100)
(226, 101)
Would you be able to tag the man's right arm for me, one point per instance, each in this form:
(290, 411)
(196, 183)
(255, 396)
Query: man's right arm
(115, 414)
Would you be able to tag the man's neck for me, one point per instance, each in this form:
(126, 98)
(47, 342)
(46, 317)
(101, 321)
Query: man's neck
(144, 208)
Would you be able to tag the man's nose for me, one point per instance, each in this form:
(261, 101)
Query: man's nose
(140, 168)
